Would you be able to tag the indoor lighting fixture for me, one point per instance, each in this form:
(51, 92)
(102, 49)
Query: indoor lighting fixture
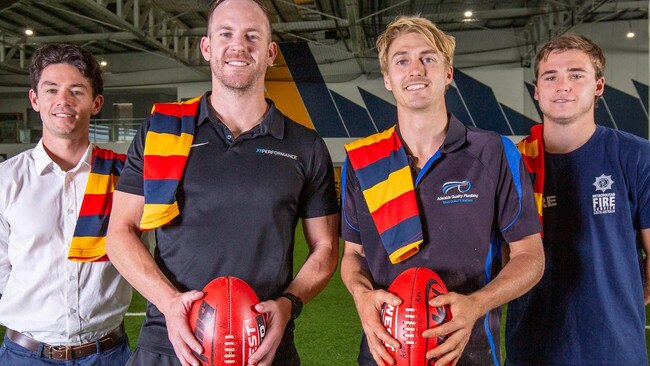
(29, 32)
(103, 63)
(630, 32)
(468, 14)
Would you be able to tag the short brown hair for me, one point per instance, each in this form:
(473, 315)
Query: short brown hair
(571, 41)
(438, 39)
(216, 3)
(69, 54)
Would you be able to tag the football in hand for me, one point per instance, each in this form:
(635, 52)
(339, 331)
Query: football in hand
(226, 323)
(407, 321)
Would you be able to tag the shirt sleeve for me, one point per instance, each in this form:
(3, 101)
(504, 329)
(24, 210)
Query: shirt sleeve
(318, 195)
(517, 214)
(350, 193)
(131, 180)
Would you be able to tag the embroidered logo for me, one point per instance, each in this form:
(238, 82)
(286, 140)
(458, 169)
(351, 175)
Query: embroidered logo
(462, 187)
(603, 203)
(456, 192)
(277, 153)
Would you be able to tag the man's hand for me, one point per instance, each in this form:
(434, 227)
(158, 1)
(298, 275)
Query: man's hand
(368, 304)
(278, 313)
(178, 328)
(465, 311)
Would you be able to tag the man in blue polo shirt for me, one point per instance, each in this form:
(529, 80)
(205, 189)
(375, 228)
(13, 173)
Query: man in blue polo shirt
(248, 174)
(588, 308)
(464, 190)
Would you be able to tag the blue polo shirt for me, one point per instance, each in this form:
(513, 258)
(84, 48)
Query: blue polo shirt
(240, 200)
(588, 307)
(463, 226)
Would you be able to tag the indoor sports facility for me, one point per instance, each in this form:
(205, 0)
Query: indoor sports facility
(326, 77)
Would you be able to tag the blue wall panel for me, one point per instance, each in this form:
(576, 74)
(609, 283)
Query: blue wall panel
(356, 118)
(482, 103)
(312, 88)
(520, 124)
(627, 111)
(383, 113)
(642, 89)
(455, 106)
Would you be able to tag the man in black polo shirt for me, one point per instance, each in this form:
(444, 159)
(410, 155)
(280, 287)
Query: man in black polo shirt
(434, 193)
(250, 174)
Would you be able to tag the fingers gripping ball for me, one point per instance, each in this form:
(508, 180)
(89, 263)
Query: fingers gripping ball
(407, 321)
(226, 323)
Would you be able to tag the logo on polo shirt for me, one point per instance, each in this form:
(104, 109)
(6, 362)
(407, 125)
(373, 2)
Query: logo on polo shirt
(605, 202)
(457, 192)
(277, 153)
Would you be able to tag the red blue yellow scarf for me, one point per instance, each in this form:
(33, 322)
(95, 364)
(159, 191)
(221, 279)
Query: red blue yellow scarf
(89, 240)
(532, 150)
(384, 175)
(167, 146)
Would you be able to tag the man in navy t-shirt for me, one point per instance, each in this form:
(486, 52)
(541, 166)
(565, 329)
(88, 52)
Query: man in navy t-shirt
(432, 192)
(594, 188)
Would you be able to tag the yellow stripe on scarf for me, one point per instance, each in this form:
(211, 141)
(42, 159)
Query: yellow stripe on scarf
(157, 215)
(164, 144)
(389, 189)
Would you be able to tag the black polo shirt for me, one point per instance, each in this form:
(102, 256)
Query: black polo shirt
(473, 193)
(240, 200)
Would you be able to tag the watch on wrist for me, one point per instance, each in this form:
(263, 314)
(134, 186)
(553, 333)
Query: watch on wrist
(296, 304)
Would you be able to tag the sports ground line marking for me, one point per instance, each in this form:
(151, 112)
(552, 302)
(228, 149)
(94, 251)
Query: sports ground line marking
(136, 314)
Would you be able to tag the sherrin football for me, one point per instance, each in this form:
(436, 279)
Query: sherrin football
(226, 323)
(407, 321)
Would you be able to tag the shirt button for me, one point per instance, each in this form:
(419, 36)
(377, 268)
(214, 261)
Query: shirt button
(70, 211)
(73, 311)
(72, 278)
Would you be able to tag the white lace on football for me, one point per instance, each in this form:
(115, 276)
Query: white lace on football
(229, 350)
(409, 326)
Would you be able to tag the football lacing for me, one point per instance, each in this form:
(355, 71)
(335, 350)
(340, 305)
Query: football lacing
(229, 349)
(409, 326)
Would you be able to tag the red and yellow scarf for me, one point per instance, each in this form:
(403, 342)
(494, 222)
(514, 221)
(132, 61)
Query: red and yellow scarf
(381, 166)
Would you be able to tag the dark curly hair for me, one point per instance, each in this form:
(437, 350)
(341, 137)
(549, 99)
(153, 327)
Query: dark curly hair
(69, 54)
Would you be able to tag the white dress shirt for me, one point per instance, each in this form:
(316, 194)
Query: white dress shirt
(45, 295)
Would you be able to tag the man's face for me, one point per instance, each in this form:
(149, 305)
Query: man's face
(567, 86)
(416, 73)
(64, 99)
(238, 45)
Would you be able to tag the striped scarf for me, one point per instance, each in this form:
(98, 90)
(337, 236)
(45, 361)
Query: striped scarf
(532, 150)
(89, 240)
(167, 146)
(384, 175)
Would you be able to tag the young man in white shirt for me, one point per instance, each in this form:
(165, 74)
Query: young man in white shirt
(62, 300)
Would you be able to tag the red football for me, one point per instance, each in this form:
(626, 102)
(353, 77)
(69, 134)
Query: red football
(226, 323)
(407, 321)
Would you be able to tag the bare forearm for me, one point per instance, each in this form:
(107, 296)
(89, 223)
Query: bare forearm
(354, 271)
(523, 270)
(321, 236)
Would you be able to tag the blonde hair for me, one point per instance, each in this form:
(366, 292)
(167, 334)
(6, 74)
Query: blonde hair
(438, 39)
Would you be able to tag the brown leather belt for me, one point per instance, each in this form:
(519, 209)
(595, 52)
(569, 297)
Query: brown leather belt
(67, 353)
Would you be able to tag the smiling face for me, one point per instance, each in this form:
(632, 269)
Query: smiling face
(238, 46)
(567, 87)
(64, 99)
(417, 73)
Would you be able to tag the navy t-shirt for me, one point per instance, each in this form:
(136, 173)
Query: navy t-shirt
(240, 200)
(588, 308)
(462, 236)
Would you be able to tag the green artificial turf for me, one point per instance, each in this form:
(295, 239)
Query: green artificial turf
(327, 333)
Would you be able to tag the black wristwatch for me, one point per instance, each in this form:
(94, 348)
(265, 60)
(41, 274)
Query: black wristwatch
(296, 304)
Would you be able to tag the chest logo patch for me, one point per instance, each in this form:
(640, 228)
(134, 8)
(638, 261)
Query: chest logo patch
(276, 153)
(457, 192)
(605, 202)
